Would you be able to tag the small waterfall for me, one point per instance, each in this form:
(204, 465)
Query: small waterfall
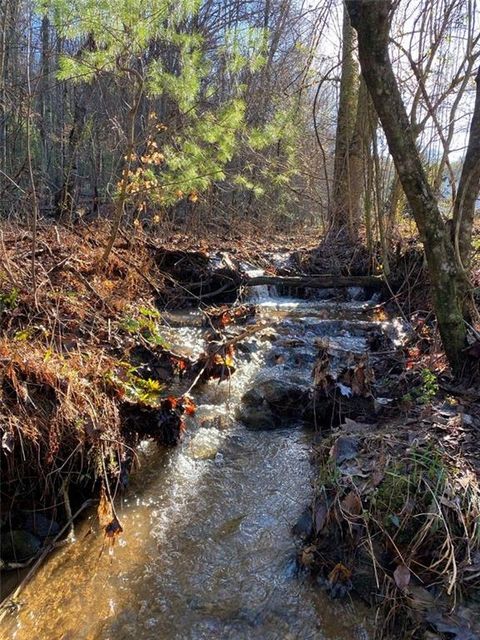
(262, 292)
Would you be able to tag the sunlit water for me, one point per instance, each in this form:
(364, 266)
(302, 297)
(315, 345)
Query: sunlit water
(207, 549)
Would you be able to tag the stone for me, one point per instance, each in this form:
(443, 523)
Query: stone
(40, 525)
(303, 528)
(270, 401)
(257, 418)
(282, 395)
(205, 444)
(344, 448)
(18, 546)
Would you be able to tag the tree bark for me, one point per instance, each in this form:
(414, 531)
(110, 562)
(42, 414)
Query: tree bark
(342, 214)
(357, 153)
(372, 23)
(469, 186)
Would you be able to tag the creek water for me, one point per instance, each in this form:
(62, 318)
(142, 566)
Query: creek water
(207, 549)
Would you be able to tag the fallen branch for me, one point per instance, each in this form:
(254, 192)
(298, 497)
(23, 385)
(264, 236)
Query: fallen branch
(316, 282)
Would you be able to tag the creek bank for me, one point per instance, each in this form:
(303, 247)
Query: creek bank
(163, 559)
(396, 506)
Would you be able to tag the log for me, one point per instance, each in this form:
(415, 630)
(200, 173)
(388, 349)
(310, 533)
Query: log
(316, 282)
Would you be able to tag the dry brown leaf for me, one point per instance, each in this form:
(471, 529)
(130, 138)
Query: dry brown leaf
(352, 504)
(308, 556)
(104, 510)
(402, 576)
(339, 573)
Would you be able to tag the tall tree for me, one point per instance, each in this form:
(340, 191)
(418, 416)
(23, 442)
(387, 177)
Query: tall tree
(372, 22)
(342, 213)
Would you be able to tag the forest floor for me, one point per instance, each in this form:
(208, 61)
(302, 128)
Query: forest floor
(86, 374)
(396, 511)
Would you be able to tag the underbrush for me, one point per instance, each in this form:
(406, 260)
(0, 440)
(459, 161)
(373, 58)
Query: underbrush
(395, 518)
(399, 524)
(76, 399)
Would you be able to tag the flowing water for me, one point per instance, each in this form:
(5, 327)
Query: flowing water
(207, 549)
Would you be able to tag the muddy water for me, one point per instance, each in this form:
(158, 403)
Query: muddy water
(207, 549)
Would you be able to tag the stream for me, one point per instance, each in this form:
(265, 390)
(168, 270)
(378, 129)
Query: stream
(207, 549)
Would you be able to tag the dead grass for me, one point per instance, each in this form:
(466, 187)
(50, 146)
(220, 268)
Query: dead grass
(402, 516)
(64, 347)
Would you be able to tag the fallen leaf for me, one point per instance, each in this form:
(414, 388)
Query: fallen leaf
(352, 504)
(308, 556)
(402, 576)
(344, 448)
(104, 509)
(320, 515)
(339, 573)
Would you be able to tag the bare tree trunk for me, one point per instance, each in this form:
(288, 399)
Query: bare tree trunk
(342, 213)
(3, 85)
(34, 211)
(44, 103)
(356, 158)
(369, 202)
(65, 197)
(372, 22)
(395, 199)
(468, 188)
(378, 198)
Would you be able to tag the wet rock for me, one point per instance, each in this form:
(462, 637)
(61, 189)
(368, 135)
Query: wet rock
(259, 417)
(325, 294)
(356, 293)
(205, 444)
(40, 526)
(18, 546)
(221, 422)
(283, 395)
(303, 528)
(271, 401)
